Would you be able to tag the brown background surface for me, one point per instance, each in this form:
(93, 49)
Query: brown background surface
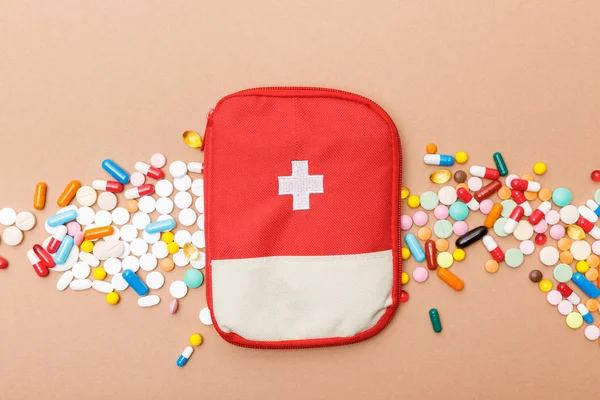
(81, 81)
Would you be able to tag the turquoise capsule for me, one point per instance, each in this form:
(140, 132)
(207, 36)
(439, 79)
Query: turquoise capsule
(64, 250)
(436, 323)
(500, 164)
(135, 282)
(115, 171)
(62, 218)
(415, 248)
(161, 226)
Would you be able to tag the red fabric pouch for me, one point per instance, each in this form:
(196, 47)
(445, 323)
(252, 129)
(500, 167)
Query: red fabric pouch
(302, 217)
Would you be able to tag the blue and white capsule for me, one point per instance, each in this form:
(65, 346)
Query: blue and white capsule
(165, 225)
(185, 356)
(444, 160)
(585, 285)
(415, 248)
(61, 255)
(592, 205)
(62, 218)
(135, 282)
(115, 171)
(585, 313)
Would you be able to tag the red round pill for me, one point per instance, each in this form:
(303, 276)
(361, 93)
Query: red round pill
(403, 296)
(540, 239)
(3, 263)
(596, 175)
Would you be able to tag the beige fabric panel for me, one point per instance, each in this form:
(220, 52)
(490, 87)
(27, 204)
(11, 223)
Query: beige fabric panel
(292, 298)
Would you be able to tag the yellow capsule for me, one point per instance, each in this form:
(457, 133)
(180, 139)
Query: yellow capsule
(191, 252)
(192, 139)
(575, 232)
(172, 248)
(404, 192)
(440, 176)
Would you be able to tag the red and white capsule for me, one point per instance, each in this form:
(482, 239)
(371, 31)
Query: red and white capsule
(149, 170)
(540, 213)
(568, 293)
(525, 185)
(107, 186)
(484, 172)
(513, 220)
(38, 266)
(588, 214)
(589, 227)
(493, 248)
(520, 199)
(144, 190)
(467, 198)
(56, 239)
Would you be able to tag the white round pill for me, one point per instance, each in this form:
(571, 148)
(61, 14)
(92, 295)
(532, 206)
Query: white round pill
(180, 259)
(581, 250)
(140, 220)
(103, 218)
(198, 239)
(131, 262)
(178, 289)
(549, 256)
(183, 200)
(126, 250)
(163, 188)
(198, 187)
(86, 196)
(565, 307)
(199, 204)
(81, 270)
(158, 160)
(164, 206)
(107, 201)
(80, 284)
(447, 195)
(112, 266)
(85, 215)
(139, 247)
(592, 332)
(183, 184)
(12, 236)
(177, 169)
(523, 231)
(137, 179)
(119, 284)
(148, 262)
(200, 262)
(552, 217)
(159, 249)
(205, 317)
(569, 214)
(187, 217)
(155, 280)
(200, 221)
(182, 237)
(147, 204)
(25, 221)
(151, 238)
(8, 216)
(116, 234)
(120, 216)
(129, 233)
(554, 297)
(474, 183)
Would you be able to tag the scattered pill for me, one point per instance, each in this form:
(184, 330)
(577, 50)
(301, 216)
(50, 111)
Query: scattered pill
(186, 354)
(68, 194)
(562, 197)
(500, 164)
(545, 285)
(491, 266)
(148, 301)
(565, 307)
(39, 196)
(431, 148)
(420, 274)
(438, 159)
(554, 297)
(178, 289)
(436, 323)
(205, 316)
(460, 176)
(114, 170)
(415, 248)
(450, 279)
(574, 320)
(112, 298)
(12, 236)
(535, 276)
(173, 306)
(135, 282)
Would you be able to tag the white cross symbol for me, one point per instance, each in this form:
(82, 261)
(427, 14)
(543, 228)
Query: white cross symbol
(300, 185)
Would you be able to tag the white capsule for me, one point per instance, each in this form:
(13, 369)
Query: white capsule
(80, 284)
(196, 167)
(489, 243)
(527, 210)
(510, 225)
(148, 301)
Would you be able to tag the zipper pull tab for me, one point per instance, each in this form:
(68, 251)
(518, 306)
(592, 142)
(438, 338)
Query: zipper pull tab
(208, 127)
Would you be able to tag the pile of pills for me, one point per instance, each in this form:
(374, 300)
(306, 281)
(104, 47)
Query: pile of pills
(108, 242)
(15, 225)
(517, 206)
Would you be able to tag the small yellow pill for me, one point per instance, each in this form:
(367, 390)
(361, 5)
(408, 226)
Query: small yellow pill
(404, 192)
(99, 273)
(459, 254)
(405, 278)
(112, 298)
(87, 246)
(405, 253)
(491, 266)
(414, 201)
(582, 266)
(424, 233)
(441, 245)
(431, 148)
(539, 168)
(545, 285)
(167, 237)
(461, 157)
(444, 259)
(196, 339)
(172, 248)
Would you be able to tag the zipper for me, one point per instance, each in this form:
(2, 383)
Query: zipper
(207, 132)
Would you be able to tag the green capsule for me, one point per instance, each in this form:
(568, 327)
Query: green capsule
(500, 164)
(434, 316)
